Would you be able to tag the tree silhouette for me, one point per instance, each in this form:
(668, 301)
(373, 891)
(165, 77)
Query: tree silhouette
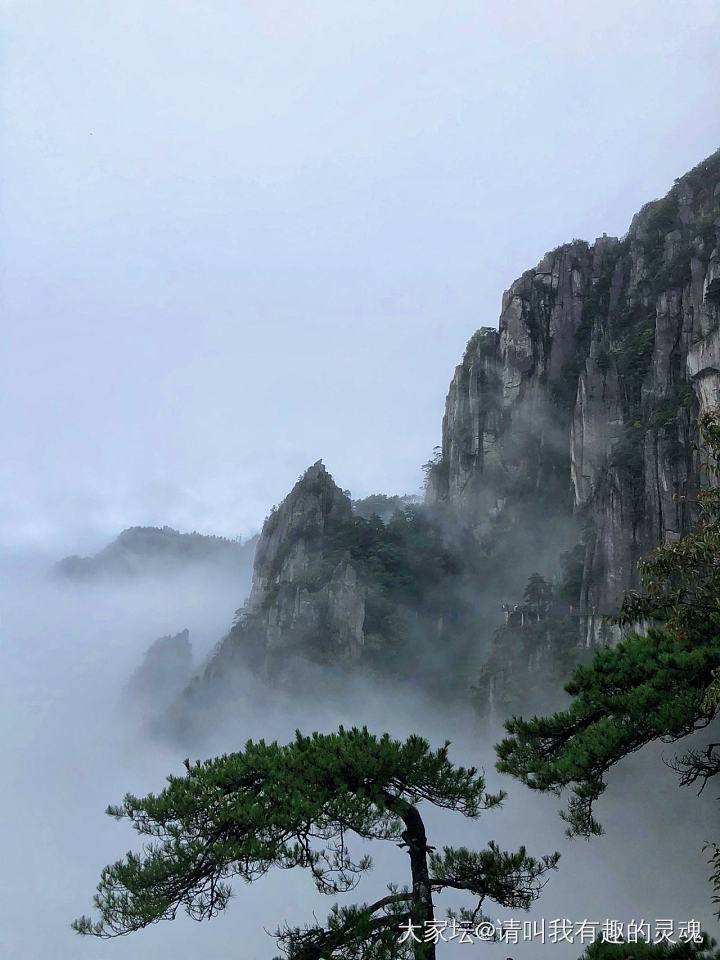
(296, 805)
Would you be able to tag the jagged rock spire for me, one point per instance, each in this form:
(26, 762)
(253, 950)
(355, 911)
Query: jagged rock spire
(292, 535)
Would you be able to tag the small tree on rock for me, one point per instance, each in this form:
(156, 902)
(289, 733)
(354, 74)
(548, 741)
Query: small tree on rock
(538, 592)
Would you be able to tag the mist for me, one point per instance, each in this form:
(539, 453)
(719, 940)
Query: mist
(70, 751)
(238, 237)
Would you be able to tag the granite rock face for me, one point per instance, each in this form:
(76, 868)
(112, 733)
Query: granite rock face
(587, 394)
(567, 434)
(304, 601)
(291, 538)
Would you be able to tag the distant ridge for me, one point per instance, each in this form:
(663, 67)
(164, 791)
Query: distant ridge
(141, 550)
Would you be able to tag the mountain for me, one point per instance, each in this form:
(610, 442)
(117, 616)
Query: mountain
(586, 397)
(335, 587)
(165, 670)
(383, 506)
(143, 550)
(568, 451)
(306, 589)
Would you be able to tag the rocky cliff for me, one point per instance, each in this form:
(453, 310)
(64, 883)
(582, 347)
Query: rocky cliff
(567, 453)
(307, 598)
(585, 398)
(336, 592)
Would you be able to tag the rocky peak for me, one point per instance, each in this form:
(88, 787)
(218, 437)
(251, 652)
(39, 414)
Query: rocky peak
(567, 430)
(292, 536)
(307, 598)
(586, 396)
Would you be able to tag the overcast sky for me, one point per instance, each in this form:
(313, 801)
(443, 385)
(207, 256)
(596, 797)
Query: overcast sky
(240, 236)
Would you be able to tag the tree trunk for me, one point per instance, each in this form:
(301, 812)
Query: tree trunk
(422, 905)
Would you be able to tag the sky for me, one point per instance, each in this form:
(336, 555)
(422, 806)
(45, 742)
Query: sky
(241, 236)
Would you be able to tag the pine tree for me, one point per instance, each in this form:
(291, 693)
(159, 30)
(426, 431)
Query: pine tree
(296, 805)
(538, 591)
(659, 685)
(705, 950)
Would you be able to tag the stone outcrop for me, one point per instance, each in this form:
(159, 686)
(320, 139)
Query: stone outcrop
(587, 394)
(306, 599)
(567, 450)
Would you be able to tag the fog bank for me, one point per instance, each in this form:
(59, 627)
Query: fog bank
(66, 651)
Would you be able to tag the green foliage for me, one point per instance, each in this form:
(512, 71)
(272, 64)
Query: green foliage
(682, 580)
(415, 573)
(696, 239)
(507, 878)
(489, 393)
(436, 470)
(538, 590)
(658, 686)
(627, 452)
(403, 557)
(712, 293)
(483, 342)
(660, 218)
(633, 354)
(602, 360)
(677, 272)
(627, 459)
(363, 932)
(600, 950)
(406, 565)
(597, 300)
(631, 327)
(563, 389)
(381, 505)
(537, 645)
(572, 565)
(241, 814)
(703, 177)
(665, 414)
(647, 688)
